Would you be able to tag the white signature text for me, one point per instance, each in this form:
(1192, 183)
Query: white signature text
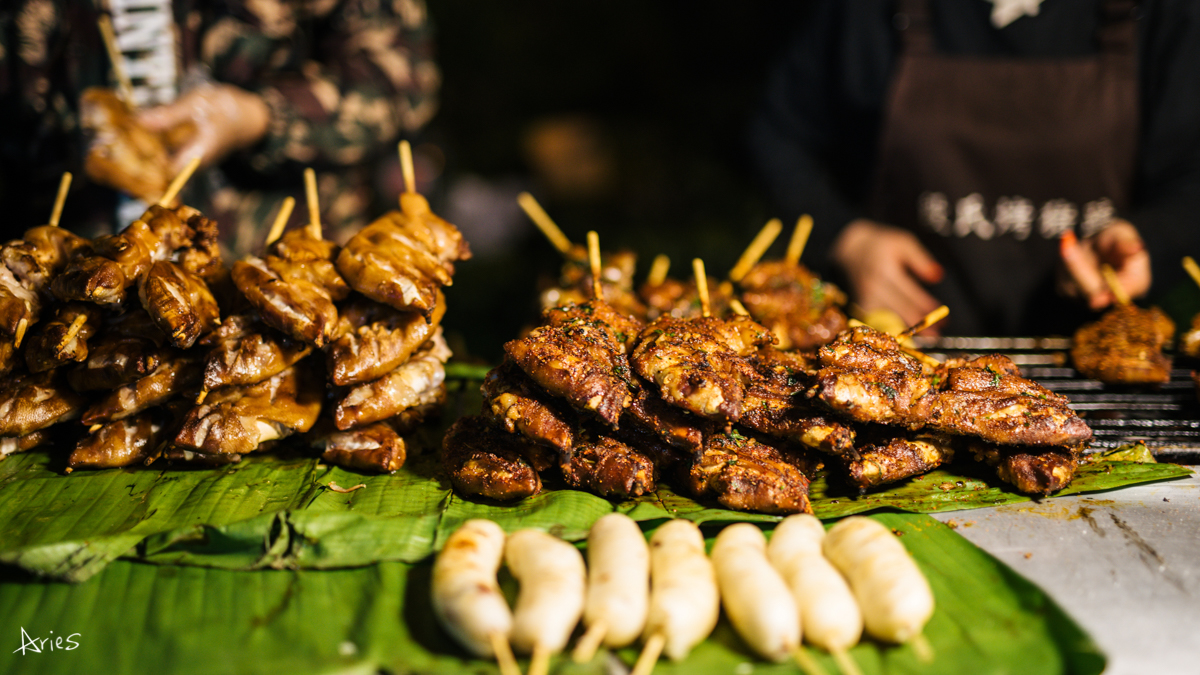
(46, 644)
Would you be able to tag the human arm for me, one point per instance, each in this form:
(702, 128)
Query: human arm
(1119, 246)
(886, 267)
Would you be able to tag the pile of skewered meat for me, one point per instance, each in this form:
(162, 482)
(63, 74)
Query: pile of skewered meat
(610, 405)
(1125, 346)
(134, 343)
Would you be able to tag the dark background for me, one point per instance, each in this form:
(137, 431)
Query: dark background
(663, 92)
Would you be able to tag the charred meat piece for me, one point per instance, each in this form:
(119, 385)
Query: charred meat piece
(178, 302)
(985, 399)
(373, 340)
(118, 261)
(487, 462)
(11, 445)
(669, 425)
(375, 447)
(176, 375)
(609, 468)
(244, 351)
(801, 310)
(888, 457)
(578, 358)
(700, 364)
(129, 347)
(622, 327)
(1037, 471)
(775, 405)
(616, 283)
(8, 357)
(35, 401)
(412, 384)
(402, 258)
(1125, 346)
(514, 403)
(681, 299)
(745, 475)
(865, 375)
(122, 154)
(121, 443)
(238, 420)
(40, 254)
(64, 339)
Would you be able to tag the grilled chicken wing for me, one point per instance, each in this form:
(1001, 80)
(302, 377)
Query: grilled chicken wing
(515, 404)
(801, 310)
(865, 375)
(887, 457)
(745, 475)
(609, 468)
(487, 462)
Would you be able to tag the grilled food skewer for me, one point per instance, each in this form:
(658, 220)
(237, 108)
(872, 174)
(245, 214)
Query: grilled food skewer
(177, 184)
(701, 286)
(544, 223)
(64, 186)
(926, 321)
(754, 252)
(1114, 284)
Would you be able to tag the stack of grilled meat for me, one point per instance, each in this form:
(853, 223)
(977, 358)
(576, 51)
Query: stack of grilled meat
(604, 403)
(132, 341)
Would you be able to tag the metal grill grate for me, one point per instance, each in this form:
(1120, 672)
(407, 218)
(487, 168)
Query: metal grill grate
(1166, 419)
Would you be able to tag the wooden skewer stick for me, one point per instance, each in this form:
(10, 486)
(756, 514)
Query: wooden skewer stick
(589, 644)
(846, 663)
(504, 655)
(1192, 269)
(201, 396)
(799, 239)
(124, 86)
(806, 662)
(923, 649)
(658, 270)
(94, 428)
(737, 307)
(750, 257)
(540, 218)
(701, 286)
(930, 319)
(177, 184)
(539, 662)
(406, 167)
(314, 210)
(72, 331)
(1114, 284)
(593, 240)
(281, 219)
(649, 656)
(63, 186)
(22, 326)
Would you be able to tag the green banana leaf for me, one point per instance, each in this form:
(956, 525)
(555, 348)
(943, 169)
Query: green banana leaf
(272, 512)
(137, 618)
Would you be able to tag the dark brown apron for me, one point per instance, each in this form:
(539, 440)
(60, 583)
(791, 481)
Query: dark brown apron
(990, 160)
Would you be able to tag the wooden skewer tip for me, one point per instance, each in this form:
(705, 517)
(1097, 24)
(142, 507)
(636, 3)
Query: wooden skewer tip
(806, 662)
(589, 644)
(593, 241)
(1114, 284)
(124, 85)
(658, 270)
(19, 337)
(928, 320)
(701, 286)
(179, 181)
(754, 252)
(544, 223)
(64, 185)
(504, 655)
(281, 219)
(1193, 270)
(737, 307)
(923, 649)
(94, 428)
(846, 663)
(72, 330)
(539, 662)
(406, 167)
(799, 239)
(649, 656)
(314, 207)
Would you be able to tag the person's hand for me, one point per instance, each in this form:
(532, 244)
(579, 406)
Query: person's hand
(886, 267)
(225, 118)
(1118, 245)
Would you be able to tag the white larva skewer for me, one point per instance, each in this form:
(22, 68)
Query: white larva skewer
(893, 595)
(756, 599)
(618, 591)
(466, 597)
(828, 611)
(684, 601)
(553, 580)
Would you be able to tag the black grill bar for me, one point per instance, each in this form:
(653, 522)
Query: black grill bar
(1166, 418)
